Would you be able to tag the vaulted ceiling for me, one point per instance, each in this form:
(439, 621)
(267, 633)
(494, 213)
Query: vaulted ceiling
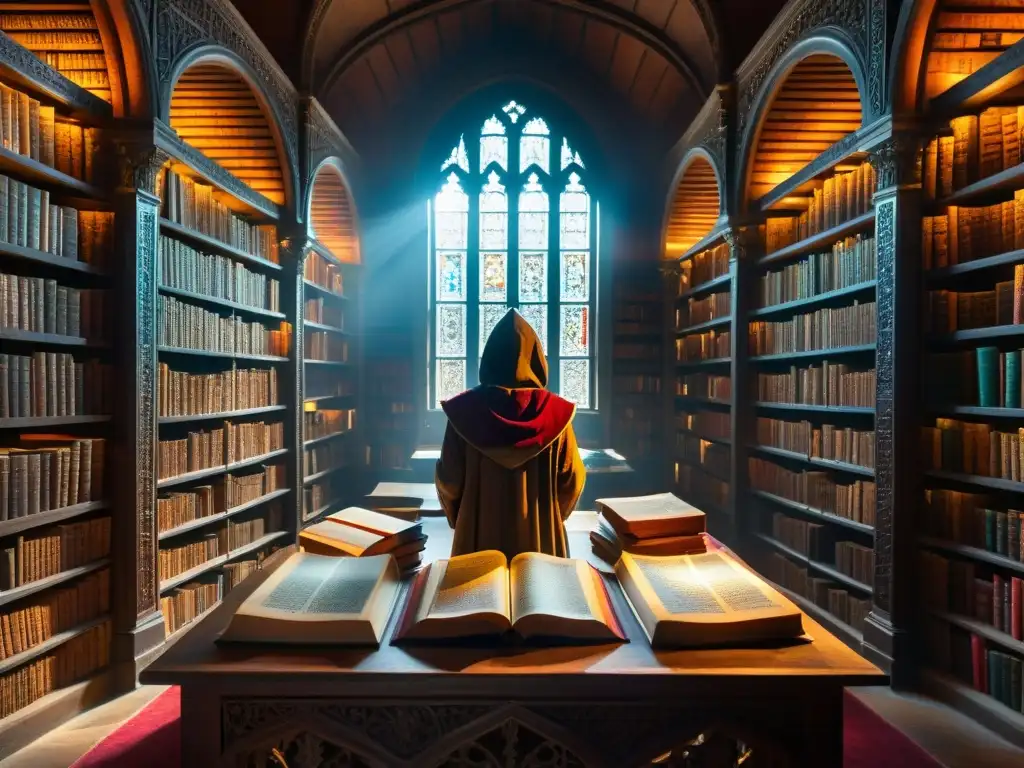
(650, 61)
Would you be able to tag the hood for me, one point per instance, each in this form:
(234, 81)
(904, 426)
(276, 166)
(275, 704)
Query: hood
(510, 417)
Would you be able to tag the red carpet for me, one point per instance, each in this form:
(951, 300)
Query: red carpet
(150, 739)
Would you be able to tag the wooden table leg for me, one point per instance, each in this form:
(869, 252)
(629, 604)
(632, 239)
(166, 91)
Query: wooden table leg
(200, 727)
(822, 743)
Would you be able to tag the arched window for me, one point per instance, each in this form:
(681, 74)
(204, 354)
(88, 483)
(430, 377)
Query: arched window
(513, 226)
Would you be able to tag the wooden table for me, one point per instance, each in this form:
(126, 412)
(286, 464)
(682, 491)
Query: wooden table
(609, 706)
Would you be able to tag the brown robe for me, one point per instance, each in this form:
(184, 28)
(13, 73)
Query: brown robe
(510, 471)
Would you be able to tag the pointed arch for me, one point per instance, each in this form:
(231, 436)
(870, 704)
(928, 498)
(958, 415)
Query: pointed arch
(332, 213)
(695, 207)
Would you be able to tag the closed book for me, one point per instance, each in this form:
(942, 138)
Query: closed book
(988, 377)
(1015, 684)
(1015, 605)
(1012, 387)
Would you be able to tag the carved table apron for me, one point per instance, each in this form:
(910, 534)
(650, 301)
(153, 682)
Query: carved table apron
(608, 706)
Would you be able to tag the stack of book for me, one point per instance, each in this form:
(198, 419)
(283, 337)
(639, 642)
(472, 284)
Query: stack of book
(358, 532)
(660, 524)
(405, 500)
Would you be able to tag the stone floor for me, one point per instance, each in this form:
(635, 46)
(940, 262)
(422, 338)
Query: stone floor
(954, 740)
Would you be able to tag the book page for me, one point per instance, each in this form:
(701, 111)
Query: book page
(705, 584)
(367, 520)
(554, 586)
(325, 585)
(471, 584)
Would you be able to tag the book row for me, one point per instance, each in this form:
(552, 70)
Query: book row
(704, 385)
(975, 520)
(185, 326)
(827, 384)
(219, 277)
(853, 500)
(949, 311)
(850, 262)
(710, 457)
(49, 472)
(176, 509)
(323, 457)
(72, 661)
(316, 495)
(41, 554)
(713, 307)
(329, 422)
(32, 130)
(44, 306)
(809, 539)
(980, 146)
(705, 423)
(322, 345)
(973, 449)
(823, 593)
(841, 197)
(319, 310)
(856, 561)
(637, 384)
(192, 394)
(321, 272)
(710, 345)
(185, 604)
(962, 234)
(640, 310)
(965, 589)
(174, 561)
(217, 448)
(53, 384)
(28, 219)
(827, 441)
(828, 328)
(57, 610)
(704, 267)
(700, 487)
(193, 205)
(983, 377)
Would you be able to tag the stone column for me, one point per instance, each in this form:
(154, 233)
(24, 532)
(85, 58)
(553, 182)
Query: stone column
(138, 625)
(899, 488)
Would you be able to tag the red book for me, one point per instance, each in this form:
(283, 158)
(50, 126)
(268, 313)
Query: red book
(979, 665)
(1016, 587)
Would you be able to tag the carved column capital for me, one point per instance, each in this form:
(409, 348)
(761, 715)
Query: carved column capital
(744, 241)
(897, 162)
(139, 166)
(670, 269)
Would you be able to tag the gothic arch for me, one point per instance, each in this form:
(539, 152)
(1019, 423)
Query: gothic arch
(332, 215)
(695, 205)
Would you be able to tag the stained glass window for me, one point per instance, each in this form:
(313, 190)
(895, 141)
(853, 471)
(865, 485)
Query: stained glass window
(523, 239)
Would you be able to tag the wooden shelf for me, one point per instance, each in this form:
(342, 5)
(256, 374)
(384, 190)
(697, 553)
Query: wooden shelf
(215, 563)
(325, 473)
(706, 438)
(202, 474)
(811, 354)
(974, 91)
(851, 636)
(703, 363)
(972, 553)
(821, 241)
(705, 326)
(986, 631)
(989, 189)
(40, 585)
(222, 416)
(257, 545)
(225, 303)
(26, 72)
(978, 411)
(817, 514)
(324, 291)
(214, 245)
(945, 274)
(307, 519)
(38, 520)
(6, 665)
(703, 401)
(813, 302)
(979, 334)
(201, 522)
(325, 253)
(48, 260)
(713, 238)
(310, 325)
(850, 410)
(975, 704)
(335, 363)
(223, 355)
(184, 628)
(815, 565)
(326, 438)
(317, 399)
(35, 173)
(708, 287)
(995, 483)
(49, 339)
(839, 466)
(37, 422)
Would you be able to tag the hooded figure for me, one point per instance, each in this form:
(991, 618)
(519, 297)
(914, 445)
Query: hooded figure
(510, 471)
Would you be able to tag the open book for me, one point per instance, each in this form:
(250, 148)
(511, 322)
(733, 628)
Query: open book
(534, 596)
(316, 599)
(707, 599)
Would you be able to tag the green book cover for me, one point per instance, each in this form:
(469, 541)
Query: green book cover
(988, 377)
(1015, 684)
(990, 530)
(1013, 534)
(993, 674)
(1001, 522)
(1012, 379)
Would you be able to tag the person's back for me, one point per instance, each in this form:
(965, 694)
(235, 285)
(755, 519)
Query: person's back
(510, 471)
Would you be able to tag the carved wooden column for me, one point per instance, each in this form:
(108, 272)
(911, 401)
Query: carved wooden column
(897, 165)
(744, 247)
(138, 625)
(294, 248)
(670, 271)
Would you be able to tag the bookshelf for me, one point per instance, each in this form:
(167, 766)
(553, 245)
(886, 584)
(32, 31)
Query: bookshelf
(972, 292)
(56, 411)
(331, 328)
